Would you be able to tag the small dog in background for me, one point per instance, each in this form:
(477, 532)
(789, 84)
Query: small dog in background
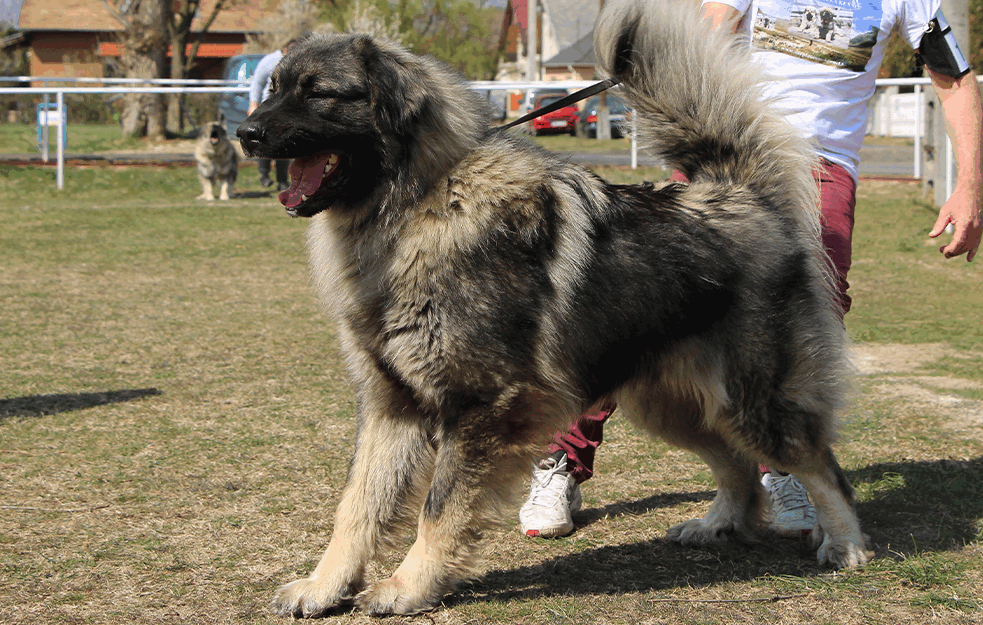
(218, 162)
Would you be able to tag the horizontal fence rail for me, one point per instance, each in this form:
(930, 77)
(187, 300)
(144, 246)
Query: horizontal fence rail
(191, 86)
(84, 80)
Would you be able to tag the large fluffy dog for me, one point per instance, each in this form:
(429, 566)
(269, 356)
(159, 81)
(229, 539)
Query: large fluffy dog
(488, 291)
(217, 161)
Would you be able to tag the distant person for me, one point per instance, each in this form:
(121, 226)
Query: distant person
(259, 90)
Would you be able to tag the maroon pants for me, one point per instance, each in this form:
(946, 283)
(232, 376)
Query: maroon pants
(838, 195)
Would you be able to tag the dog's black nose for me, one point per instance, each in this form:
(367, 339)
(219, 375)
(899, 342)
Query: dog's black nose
(251, 135)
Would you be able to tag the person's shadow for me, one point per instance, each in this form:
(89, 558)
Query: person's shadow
(909, 507)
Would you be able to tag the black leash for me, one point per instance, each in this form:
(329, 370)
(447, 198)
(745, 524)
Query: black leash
(573, 98)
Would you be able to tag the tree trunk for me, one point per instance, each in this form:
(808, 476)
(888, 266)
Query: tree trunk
(175, 118)
(144, 113)
(133, 119)
(144, 44)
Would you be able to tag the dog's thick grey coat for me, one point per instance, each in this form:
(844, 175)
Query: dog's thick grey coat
(488, 291)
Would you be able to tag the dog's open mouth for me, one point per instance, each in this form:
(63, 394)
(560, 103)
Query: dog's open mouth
(308, 174)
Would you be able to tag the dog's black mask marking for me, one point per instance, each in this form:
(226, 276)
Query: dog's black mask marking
(324, 113)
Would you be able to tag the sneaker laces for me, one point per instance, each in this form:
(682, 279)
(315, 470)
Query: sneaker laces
(787, 493)
(550, 491)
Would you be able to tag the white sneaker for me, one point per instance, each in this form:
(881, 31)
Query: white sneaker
(554, 496)
(792, 514)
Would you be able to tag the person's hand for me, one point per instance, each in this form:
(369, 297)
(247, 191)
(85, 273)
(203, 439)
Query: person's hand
(964, 212)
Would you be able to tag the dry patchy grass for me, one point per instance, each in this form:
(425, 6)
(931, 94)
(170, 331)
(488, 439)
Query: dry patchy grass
(175, 428)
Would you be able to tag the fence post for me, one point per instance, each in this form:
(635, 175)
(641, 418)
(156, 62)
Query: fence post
(919, 130)
(62, 132)
(44, 133)
(634, 139)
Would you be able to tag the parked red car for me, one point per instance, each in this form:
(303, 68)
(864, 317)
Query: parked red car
(561, 120)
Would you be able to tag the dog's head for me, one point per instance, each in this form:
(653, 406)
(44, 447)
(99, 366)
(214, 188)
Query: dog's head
(364, 121)
(215, 132)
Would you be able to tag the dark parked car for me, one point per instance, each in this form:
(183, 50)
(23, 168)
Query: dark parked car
(618, 113)
(496, 100)
(561, 120)
(235, 106)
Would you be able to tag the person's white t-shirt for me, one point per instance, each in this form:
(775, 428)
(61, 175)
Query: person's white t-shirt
(259, 86)
(825, 55)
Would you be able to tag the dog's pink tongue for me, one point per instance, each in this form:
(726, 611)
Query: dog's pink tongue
(305, 177)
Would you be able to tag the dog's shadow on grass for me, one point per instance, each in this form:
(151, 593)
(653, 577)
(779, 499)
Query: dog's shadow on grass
(42, 405)
(252, 195)
(906, 508)
(917, 506)
(651, 564)
(589, 516)
(640, 566)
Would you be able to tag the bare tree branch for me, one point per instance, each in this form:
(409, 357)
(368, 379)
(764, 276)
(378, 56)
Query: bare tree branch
(193, 54)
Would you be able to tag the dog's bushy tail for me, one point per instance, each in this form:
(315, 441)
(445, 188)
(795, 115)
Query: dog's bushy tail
(699, 102)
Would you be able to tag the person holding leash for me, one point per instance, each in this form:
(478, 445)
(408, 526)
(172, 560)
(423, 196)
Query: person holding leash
(825, 93)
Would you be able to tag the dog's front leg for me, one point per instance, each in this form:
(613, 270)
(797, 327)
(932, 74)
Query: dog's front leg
(207, 193)
(460, 508)
(393, 456)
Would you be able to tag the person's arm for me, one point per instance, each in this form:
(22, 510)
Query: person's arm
(258, 82)
(721, 15)
(962, 106)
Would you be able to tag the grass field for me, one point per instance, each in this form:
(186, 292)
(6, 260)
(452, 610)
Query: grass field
(175, 427)
(94, 138)
(81, 138)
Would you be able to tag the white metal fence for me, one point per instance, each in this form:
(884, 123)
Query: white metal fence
(913, 119)
(60, 92)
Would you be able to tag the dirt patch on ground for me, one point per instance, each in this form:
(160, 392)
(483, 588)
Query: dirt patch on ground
(901, 372)
(175, 146)
(875, 358)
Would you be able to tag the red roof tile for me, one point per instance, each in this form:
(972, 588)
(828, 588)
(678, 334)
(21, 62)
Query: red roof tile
(91, 15)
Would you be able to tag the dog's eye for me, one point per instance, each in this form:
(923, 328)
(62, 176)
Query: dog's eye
(327, 93)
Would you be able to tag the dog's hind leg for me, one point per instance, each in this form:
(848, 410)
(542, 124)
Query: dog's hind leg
(838, 536)
(392, 464)
(793, 433)
(738, 510)
(673, 409)
(224, 189)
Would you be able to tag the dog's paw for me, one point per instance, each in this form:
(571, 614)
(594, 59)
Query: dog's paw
(698, 532)
(207, 198)
(390, 596)
(843, 554)
(309, 599)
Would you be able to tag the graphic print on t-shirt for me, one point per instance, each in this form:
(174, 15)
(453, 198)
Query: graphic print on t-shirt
(840, 33)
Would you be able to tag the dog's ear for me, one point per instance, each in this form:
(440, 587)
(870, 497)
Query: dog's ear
(221, 119)
(396, 83)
